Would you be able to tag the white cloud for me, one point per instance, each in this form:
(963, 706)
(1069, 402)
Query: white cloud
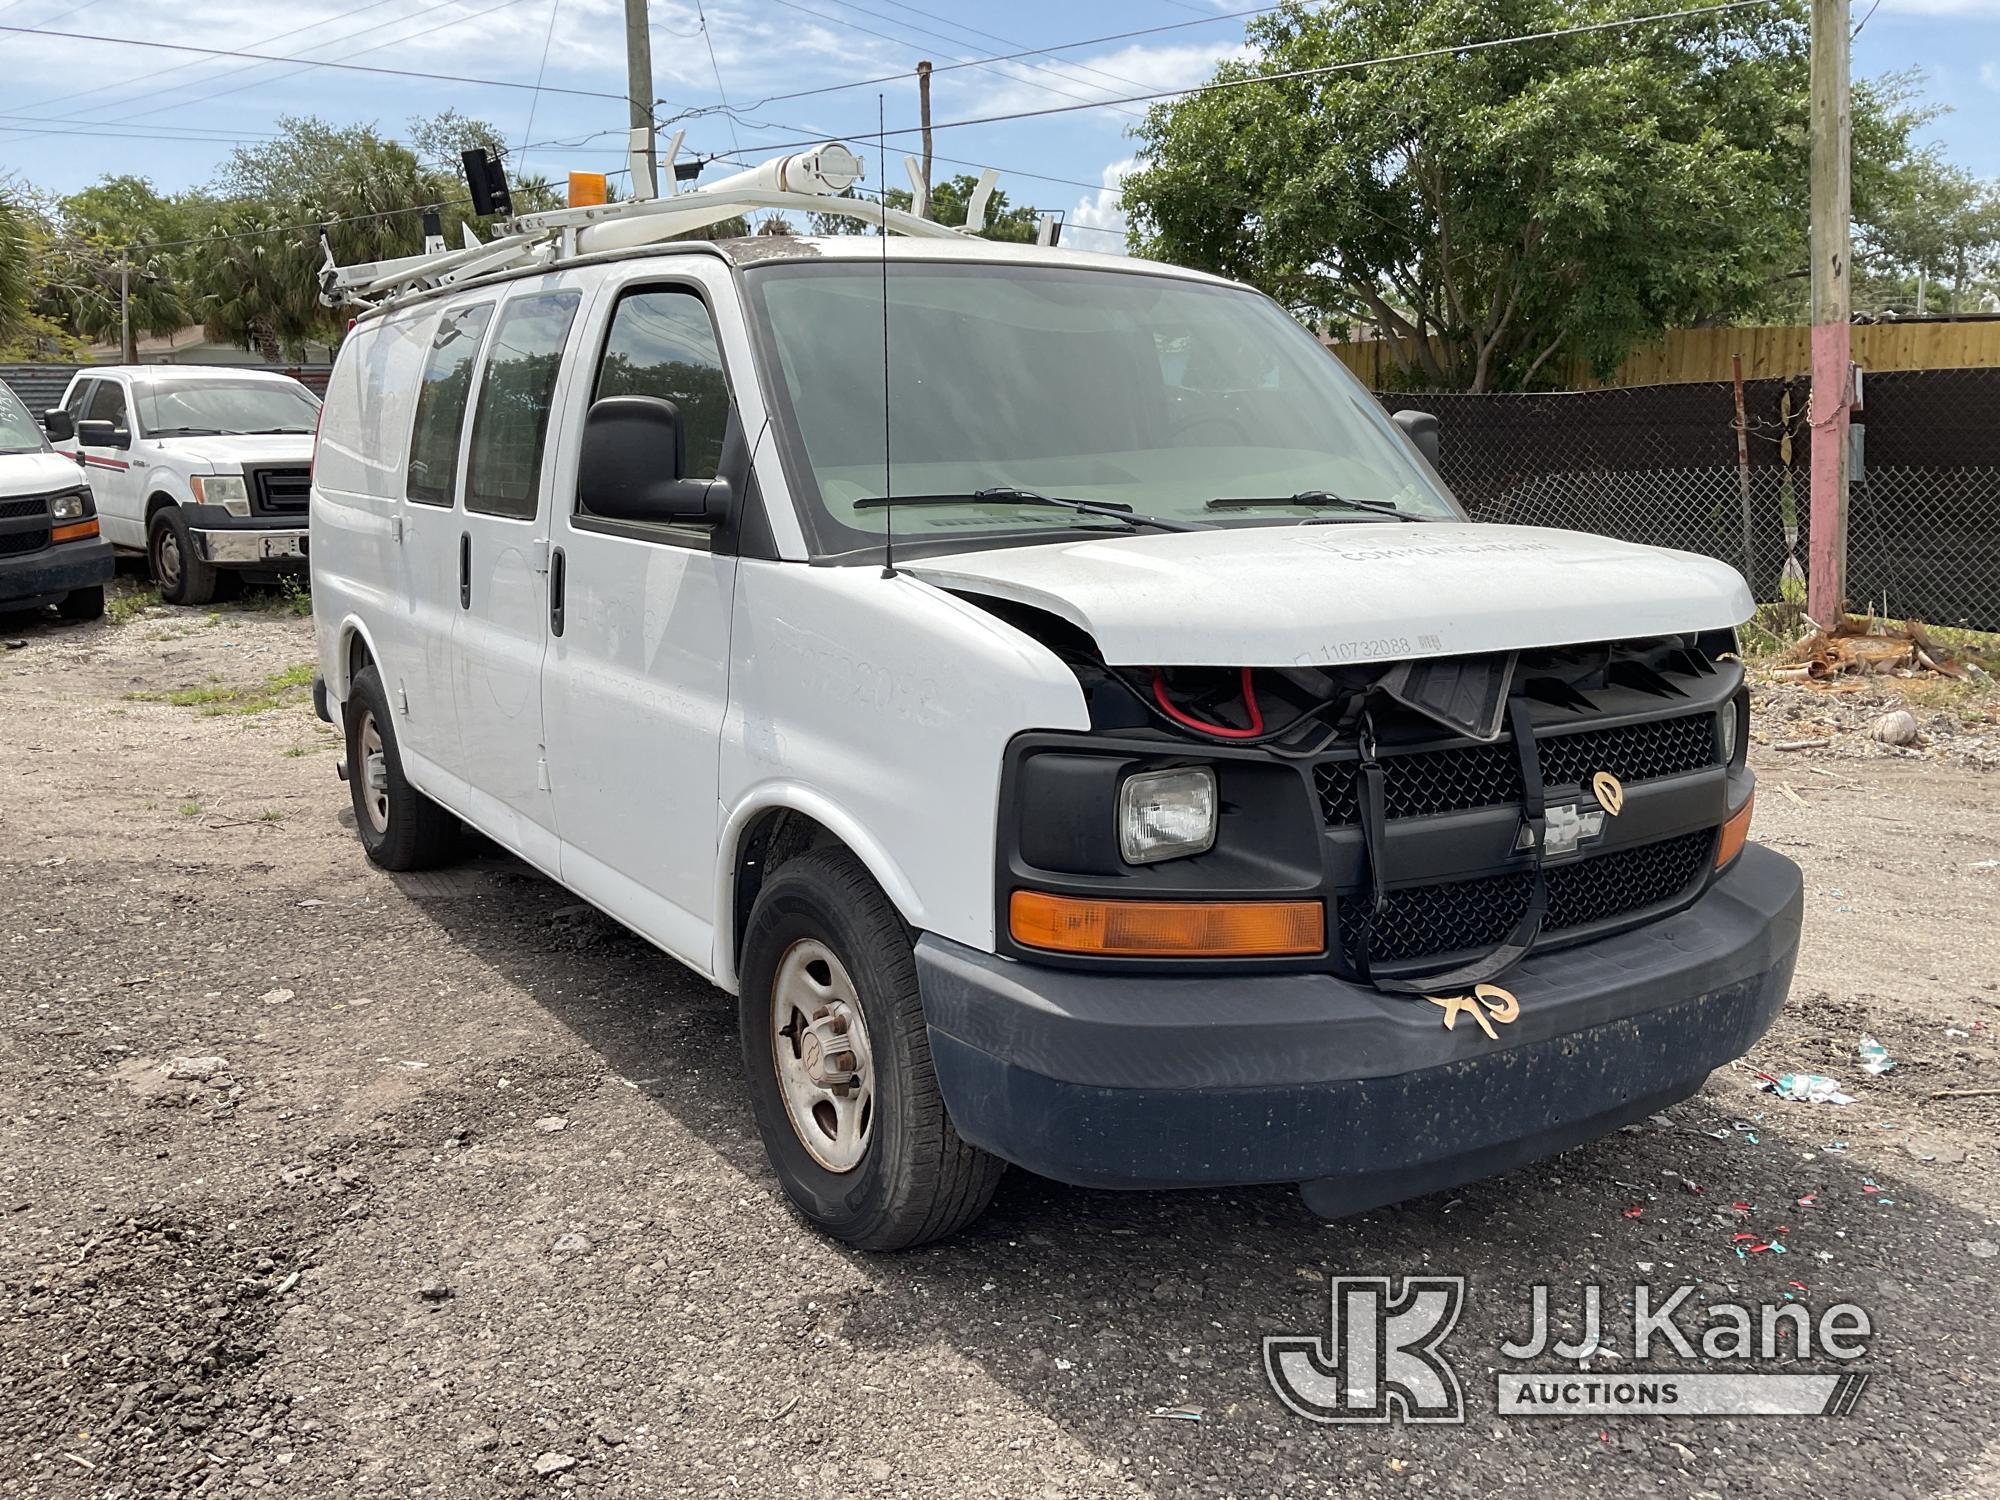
(1100, 211)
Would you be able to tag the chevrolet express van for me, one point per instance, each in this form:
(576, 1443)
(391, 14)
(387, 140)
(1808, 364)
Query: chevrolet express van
(50, 552)
(1107, 748)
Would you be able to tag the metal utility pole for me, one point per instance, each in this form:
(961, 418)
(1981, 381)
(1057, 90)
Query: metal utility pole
(639, 90)
(128, 351)
(923, 203)
(1832, 350)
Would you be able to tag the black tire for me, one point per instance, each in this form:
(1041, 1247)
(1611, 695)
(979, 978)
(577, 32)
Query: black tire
(400, 828)
(82, 604)
(916, 1181)
(183, 576)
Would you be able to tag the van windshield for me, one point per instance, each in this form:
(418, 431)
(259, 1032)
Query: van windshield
(19, 432)
(1125, 388)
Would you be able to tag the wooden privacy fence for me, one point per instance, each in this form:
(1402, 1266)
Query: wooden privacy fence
(1703, 354)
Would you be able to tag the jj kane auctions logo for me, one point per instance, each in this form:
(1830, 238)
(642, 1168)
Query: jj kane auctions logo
(1382, 1357)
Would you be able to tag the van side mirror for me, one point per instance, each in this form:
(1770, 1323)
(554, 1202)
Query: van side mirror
(58, 424)
(98, 433)
(634, 456)
(1421, 427)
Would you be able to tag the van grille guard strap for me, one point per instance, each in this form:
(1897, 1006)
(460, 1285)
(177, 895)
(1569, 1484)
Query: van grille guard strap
(1371, 793)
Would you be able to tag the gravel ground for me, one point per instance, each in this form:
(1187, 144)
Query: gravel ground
(456, 1192)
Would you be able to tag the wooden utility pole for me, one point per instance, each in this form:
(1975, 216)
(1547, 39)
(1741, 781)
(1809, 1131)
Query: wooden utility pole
(128, 350)
(1832, 355)
(639, 90)
(923, 203)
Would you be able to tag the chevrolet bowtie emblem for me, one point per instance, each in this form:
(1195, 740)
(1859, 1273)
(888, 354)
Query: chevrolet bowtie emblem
(1485, 1000)
(1610, 792)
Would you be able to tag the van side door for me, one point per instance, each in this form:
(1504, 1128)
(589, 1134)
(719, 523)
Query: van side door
(428, 609)
(638, 676)
(501, 631)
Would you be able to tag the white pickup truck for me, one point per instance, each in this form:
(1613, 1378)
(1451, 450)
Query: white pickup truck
(203, 470)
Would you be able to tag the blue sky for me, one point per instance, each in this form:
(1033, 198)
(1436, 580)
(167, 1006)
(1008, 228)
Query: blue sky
(170, 116)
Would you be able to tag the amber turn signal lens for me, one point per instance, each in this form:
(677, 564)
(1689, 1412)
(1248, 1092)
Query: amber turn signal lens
(1734, 832)
(1167, 929)
(75, 531)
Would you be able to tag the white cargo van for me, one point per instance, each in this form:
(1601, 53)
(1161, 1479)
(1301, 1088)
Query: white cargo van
(1112, 753)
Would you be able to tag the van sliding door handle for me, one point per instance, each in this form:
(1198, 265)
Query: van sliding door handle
(465, 570)
(557, 571)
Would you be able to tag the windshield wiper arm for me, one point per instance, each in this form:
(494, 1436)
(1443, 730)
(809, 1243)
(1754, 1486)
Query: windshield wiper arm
(186, 432)
(1315, 500)
(1008, 495)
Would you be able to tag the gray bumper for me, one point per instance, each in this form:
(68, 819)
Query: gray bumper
(1128, 1081)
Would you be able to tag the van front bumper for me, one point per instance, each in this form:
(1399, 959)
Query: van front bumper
(1361, 1097)
(44, 577)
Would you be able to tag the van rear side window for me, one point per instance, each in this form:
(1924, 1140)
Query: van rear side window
(511, 418)
(441, 405)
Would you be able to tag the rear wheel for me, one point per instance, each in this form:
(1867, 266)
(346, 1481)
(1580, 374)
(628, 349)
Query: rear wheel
(82, 604)
(839, 1063)
(400, 828)
(183, 575)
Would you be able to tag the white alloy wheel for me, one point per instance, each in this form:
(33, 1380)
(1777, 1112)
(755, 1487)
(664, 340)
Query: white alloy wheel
(820, 1052)
(374, 773)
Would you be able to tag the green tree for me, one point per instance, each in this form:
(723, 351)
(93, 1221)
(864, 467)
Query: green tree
(1935, 224)
(254, 276)
(1493, 213)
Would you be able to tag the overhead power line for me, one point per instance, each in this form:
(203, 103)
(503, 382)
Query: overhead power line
(1249, 80)
(1091, 41)
(491, 83)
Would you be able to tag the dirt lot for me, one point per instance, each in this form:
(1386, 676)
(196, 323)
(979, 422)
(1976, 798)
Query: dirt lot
(458, 1194)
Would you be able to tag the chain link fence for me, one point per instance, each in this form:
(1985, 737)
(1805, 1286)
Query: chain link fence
(1665, 464)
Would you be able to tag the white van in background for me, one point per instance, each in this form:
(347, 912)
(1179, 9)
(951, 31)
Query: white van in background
(1105, 747)
(50, 551)
(204, 469)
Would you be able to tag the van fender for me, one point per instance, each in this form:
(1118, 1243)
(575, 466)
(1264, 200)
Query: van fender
(337, 676)
(830, 815)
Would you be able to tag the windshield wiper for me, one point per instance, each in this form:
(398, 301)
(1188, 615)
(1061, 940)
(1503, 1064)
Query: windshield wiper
(1315, 500)
(160, 432)
(274, 432)
(1008, 495)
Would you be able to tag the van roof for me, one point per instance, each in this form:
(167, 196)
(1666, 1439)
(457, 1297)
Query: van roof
(765, 248)
(769, 249)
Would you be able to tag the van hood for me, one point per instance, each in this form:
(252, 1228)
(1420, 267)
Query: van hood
(1328, 595)
(229, 452)
(37, 473)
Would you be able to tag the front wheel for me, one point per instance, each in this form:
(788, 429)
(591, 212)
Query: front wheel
(839, 1063)
(183, 574)
(400, 828)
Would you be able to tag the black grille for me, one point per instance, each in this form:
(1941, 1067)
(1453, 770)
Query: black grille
(33, 505)
(1441, 781)
(14, 543)
(1464, 916)
(281, 492)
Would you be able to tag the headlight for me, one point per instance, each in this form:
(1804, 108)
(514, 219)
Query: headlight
(68, 506)
(1732, 715)
(226, 490)
(1166, 814)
